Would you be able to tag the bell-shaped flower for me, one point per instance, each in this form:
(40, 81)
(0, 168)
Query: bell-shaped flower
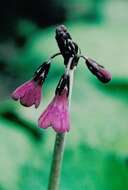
(29, 93)
(56, 115)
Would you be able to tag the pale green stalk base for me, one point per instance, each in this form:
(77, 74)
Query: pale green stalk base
(56, 162)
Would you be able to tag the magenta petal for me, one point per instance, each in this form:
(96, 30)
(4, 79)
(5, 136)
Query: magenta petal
(28, 98)
(38, 96)
(29, 94)
(56, 114)
(19, 92)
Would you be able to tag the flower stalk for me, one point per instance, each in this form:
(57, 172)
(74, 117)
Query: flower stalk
(55, 173)
(54, 178)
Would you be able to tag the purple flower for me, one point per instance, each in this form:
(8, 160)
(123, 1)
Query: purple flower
(98, 70)
(56, 114)
(29, 93)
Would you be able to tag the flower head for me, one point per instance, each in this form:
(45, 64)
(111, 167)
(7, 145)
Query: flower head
(67, 46)
(29, 93)
(56, 114)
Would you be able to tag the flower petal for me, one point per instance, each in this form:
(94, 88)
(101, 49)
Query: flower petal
(56, 114)
(29, 93)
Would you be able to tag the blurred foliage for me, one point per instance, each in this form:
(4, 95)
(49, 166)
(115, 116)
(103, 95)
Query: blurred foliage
(45, 13)
(96, 153)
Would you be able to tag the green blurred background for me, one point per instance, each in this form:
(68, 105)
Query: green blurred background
(96, 152)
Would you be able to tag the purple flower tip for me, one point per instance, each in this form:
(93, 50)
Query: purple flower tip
(56, 114)
(29, 93)
(104, 75)
(99, 71)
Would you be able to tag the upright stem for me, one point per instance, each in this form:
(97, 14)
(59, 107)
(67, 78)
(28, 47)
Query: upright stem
(55, 172)
(56, 162)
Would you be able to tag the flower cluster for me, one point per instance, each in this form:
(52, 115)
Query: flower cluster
(56, 114)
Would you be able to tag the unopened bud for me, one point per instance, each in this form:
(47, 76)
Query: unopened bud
(67, 46)
(98, 70)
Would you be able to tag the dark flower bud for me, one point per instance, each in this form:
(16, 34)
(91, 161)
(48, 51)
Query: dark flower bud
(61, 32)
(42, 71)
(98, 70)
(62, 37)
(63, 83)
(67, 47)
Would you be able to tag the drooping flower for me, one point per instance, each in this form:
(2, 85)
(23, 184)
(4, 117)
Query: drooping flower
(56, 115)
(29, 93)
(98, 70)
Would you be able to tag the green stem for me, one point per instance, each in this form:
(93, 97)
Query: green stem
(57, 162)
(54, 178)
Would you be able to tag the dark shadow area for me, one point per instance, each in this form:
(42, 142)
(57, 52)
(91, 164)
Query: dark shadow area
(12, 117)
(43, 13)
